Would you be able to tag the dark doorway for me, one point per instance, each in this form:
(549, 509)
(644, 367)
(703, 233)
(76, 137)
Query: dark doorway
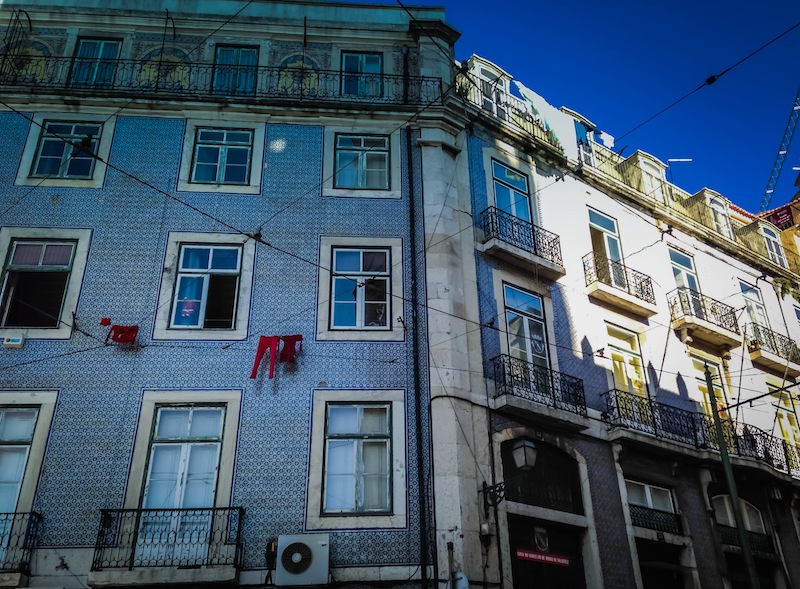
(660, 565)
(545, 555)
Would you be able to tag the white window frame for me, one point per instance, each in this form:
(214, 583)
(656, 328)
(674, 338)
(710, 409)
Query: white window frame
(223, 149)
(45, 402)
(396, 331)
(724, 502)
(30, 152)
(329, 164)
(720, 215)
(359, 279)
(151, 400)
(772, 242)
(361, 152)
(648, 495)
(754, 305)
(519, 164)
(315, 519)
(163, 315)
(186, 172)
(82, 239)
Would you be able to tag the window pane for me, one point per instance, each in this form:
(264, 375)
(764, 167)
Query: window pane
(340, 480)
(375, 261)
(26, 254)
(57, 254)
(376, 476)
(172, 423)
(221, 301)
(238, 137)
(342, 419)
(188, 300)
(211, 136)
(17, 425)
(346, 170)
(524, 302)
(195, 258)
(661, 499)
(636, 493)
(238, 156)
(509, 176)
(375, 290)
(37, 298)
(201, 476)
(225, 259)
(375, 420)
(12, 469)
(162, 485)
(602, 221)
(206, 423)
(346, 261)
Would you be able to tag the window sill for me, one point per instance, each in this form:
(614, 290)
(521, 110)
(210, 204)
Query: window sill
(360, 193)
(355, 522)
(199, 334)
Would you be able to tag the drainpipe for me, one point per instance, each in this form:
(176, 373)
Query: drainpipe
(415, 347)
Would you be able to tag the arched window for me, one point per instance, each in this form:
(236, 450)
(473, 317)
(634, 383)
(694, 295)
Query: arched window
(554, 481)
(723, 512)
(774, 247)
(722, 222)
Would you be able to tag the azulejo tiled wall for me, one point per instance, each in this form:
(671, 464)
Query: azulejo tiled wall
(86, 466)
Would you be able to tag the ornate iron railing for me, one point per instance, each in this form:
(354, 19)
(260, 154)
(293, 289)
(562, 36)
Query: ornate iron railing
(598, 268)
(513, 376)
(630, 411)
(655, 519)
(763, 338)
(129, 538)
(506, 227)
(19, 535)
(758, 542)
(504, 107)
(685, 302)
(153, 78)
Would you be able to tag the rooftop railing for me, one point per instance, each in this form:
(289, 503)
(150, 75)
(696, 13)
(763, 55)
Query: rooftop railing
(685, 302)
(506, 227)
(526, 380)
(129, 538)
(763, 338)
(178, 80)
(624, 409)
(19, 535)
(598, 268)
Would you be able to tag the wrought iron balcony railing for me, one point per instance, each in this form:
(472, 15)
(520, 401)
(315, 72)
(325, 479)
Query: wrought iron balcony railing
(763, 338)
(19, 535)
(506, 227)
(598, 268)
(655, 519)
(685, 302)
(624, 409)
(526, 380)
(175, 80)
(129, 538)
(758, 542)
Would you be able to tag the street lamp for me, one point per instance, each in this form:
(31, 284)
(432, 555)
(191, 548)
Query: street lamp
(524, 454)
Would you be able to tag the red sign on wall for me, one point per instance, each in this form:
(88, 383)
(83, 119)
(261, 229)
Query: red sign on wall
(781, 217)
(555, 559)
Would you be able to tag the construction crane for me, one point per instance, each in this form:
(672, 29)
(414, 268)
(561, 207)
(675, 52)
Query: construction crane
(782, 151)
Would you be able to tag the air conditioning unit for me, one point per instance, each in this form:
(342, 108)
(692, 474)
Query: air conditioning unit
(302, 560)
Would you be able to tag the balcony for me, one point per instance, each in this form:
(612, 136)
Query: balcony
(616, 284)
(514, 240)
(758, 542)
(704, 318)
(178, 80)
(655, 519)
(19, 535)
(642, 414)
(524, 388)
(773, 350)
(143, 546)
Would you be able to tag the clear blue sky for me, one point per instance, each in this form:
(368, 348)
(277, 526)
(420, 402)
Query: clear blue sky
(618, 63)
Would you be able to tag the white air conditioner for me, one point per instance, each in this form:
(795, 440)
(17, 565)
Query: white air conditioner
(302, 560)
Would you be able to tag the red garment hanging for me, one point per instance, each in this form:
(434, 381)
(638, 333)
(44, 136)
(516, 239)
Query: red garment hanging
(289, 351)
(265, 343)
(123, 334)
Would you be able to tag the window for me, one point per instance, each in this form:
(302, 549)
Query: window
(755, 307)
(67, 150)
(494, 92)
(16, 434)
(723, 512)
(227, 158)
(607, 250)
(360, 289)
(525, 324)
(35, 281)
(683, 270)
(786, 412)
(649, 496)
(722, 222)
(41, 279)
(626, 360)
(702, 386)
(222, 156)
(64, 151)
(95, 63)
(357, 458)
(511, 192)
(205, 289)
(362, 161)
(235, 70)
(357, 476)
(362, 74)
(774, 247)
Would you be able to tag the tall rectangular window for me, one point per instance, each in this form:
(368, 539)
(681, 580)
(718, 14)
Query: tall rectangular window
(66, 150)
(95, 63)
(702, 386)
(235, 70)
(222, 156)
(754, 305)
(607, 249)
(362, 74)
(16, 434)
(774, 248)
(527, 339)
(362, 162)
(207, 286)
(511, 192)
(35, 283)
(357, 475)
(361, 289)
